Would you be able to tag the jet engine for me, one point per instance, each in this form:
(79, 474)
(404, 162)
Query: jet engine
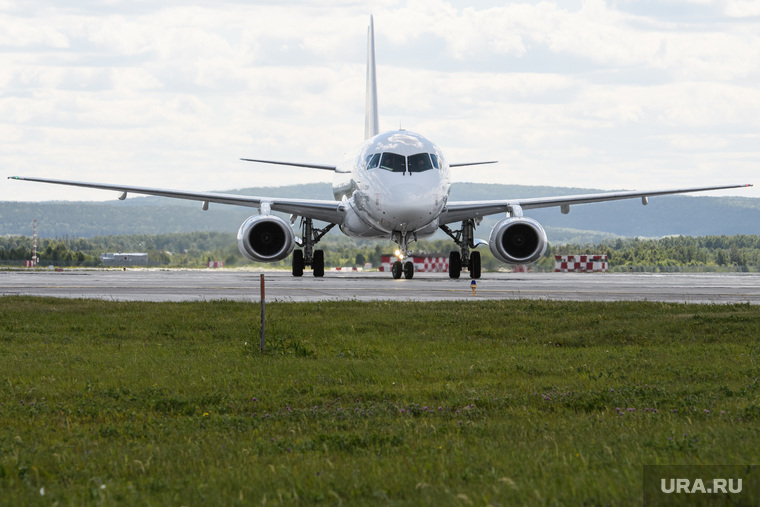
(265, 238)
(518, 240)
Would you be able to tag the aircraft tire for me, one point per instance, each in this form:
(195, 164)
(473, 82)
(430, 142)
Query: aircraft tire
(455, 265)
(298, 263)
(475, 265)
(318, 263)
(409, 270)
(396, 270)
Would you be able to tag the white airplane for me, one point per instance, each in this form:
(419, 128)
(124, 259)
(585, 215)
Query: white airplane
(395, 187)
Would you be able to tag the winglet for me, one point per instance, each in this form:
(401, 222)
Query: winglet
(371, 127)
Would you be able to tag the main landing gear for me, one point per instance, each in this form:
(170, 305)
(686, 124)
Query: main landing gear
(308, 256)
(464, 259)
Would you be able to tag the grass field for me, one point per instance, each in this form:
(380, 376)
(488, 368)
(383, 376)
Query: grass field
(461, 403)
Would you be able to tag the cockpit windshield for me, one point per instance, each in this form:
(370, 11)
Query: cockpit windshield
(373, 161)
(419, 163)
(396, 163)
(393, 162)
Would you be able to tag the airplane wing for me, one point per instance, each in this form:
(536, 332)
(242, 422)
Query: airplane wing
(326, 211)
(457, 211)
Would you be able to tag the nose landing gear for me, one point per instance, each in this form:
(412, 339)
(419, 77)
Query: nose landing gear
(406, 268)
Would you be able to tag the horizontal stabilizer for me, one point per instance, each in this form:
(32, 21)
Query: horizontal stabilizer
(294, 164)
(463, 164)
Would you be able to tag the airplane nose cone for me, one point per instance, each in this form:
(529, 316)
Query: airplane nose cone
(408, 203)
(405, 193)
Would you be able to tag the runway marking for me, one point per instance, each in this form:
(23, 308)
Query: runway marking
(160, 286)
(380, 289)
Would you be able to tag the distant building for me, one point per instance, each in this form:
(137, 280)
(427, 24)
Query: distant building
(124, 259)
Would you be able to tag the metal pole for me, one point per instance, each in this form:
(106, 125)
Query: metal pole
(34, 246)
(263, 314)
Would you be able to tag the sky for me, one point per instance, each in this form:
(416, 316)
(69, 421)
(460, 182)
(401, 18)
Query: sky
(596, 94)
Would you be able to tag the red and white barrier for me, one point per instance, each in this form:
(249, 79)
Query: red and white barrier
(422, 264)
(580, 263)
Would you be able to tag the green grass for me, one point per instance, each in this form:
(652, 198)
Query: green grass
(452, 403)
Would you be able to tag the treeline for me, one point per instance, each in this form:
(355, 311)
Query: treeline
(196, 249)
(672, 253)
(179, 249)
(665, 254)
(185, 249)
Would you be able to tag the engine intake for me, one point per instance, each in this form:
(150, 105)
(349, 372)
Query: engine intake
(265, 238)
(518, 240)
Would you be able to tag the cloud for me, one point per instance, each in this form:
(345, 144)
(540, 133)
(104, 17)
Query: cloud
(741, 8)
(172, 93)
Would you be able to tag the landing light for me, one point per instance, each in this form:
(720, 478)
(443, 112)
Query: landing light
(398, 254)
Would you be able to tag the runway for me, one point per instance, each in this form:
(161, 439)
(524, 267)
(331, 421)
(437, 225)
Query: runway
(204, 285)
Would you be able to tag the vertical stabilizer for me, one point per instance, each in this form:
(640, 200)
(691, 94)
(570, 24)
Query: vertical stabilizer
(371, 128)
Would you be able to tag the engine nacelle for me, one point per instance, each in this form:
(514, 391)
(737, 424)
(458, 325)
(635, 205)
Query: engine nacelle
(265, 238)
(518, 240)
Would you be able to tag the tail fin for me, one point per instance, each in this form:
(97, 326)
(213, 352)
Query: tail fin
(371, 127)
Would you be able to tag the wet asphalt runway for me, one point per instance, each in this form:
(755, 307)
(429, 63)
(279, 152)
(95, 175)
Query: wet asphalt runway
(200, 285)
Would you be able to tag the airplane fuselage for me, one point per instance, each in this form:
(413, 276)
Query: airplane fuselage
(396, 183)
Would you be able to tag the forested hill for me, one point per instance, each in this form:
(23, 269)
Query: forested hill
(699, 215)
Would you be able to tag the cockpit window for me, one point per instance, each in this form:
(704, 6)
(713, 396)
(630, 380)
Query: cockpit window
(393, 162)
(373, 161)
(396, 163)
(419, 163)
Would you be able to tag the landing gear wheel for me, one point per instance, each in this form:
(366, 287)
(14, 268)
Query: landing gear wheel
(475, 265)
(409, 270)
(455, 265)
(298, 263)
(318, 263)
(396, 270)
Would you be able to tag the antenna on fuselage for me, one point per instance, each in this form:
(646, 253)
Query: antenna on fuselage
(371, 127)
